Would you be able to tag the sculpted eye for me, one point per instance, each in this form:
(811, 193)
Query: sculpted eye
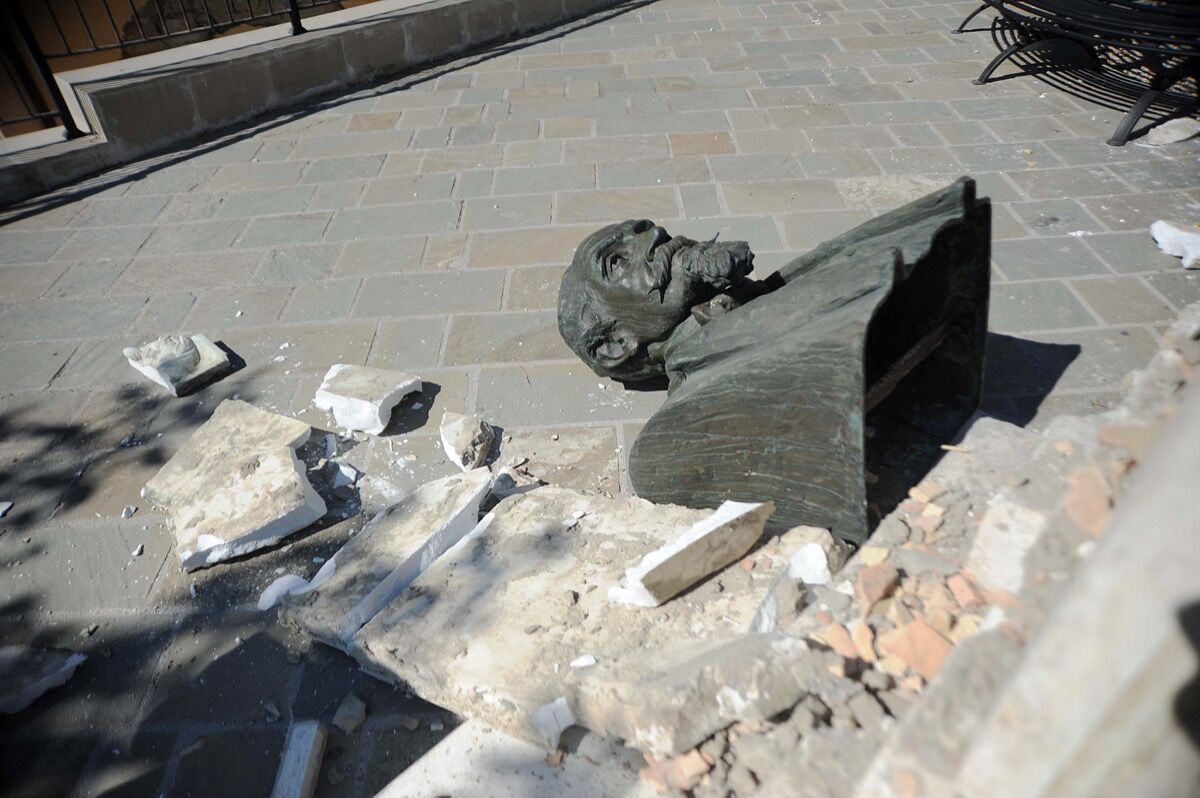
(612, 263)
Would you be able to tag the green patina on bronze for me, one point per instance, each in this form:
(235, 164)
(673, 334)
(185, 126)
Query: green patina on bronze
(848, 366)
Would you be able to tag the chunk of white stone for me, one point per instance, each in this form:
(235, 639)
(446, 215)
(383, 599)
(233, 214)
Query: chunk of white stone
(236, 485)
(586, 661)
(4, 508)
(350, 714)
(1177, 240)
(388, 554)
(178, 362)
(293, 585)
(466, 439)
(362, 398)
(26, 673)
(261, 499)
(1173, 131)
(552, 719)
(707, 546)
(819, 557)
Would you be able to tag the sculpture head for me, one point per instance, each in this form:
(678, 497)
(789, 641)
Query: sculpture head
(631, 284)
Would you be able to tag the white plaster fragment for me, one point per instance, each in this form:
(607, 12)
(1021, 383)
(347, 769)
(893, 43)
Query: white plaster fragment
(137, 552)
(1177, 240)
(128, 511)
(1173, 131)
(818, 558)
(178, 362)
(552, 719)
(292, 585)
(362, 398)
(1006, 534)
(26, 673)
(4, 508)
(466, 439)
(586, 661)
(707, 546)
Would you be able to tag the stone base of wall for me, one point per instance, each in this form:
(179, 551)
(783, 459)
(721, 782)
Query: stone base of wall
(136, 112)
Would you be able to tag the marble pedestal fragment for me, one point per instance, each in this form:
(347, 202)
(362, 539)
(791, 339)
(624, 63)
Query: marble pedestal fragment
(491, 628)
(236, 485)
(386, 556)
(362, 398)
(179, 363)
(707, 546)
(466, 439)
(26, 673)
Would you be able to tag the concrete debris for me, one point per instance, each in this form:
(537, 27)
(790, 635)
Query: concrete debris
(4, 508)
(819, 558)
(236, 485)
(1178, 240)
(681, 772)
(552, 719)
(177, 362)
(292, 585)
(301, 762)
(389, 553)
(137, 552)
(919, 646)
(26, 673)
(362, 398)
(586, 661)
(1173, 131)
(350, 714)
(474, 759)
(707, 546)
(128, 512)
(875, 583)
(486, 630)
(466, 439)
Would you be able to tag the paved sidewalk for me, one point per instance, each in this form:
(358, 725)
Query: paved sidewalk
(424, 225)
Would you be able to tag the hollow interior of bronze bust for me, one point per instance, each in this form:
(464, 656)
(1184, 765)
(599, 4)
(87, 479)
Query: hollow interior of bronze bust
(923, 367)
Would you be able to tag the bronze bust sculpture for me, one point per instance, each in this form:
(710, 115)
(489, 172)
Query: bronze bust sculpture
(806, 387)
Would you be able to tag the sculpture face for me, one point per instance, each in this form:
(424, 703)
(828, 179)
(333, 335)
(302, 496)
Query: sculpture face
(631, 284)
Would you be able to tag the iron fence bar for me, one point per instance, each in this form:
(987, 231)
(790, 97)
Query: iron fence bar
(161, 19)
(136, 18)
(112, 23)
(187, 26)
(27, 101)
(86, 27)
(64, 113)
(61, 35)
(207, 16)
(294, 12)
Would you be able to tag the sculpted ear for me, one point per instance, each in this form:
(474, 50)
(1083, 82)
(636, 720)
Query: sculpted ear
(617, 346)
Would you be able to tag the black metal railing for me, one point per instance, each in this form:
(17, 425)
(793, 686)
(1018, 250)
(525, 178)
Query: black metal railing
(36, 33)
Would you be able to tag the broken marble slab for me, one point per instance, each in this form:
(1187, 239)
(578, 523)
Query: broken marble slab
(466, 439)
(362, 398)
(26, 673)
(236, 485)
(1179, 241)
(1173, 131)
(707, 546)
(491, 628)
(178, 363)
(386, 556)
(475, 760)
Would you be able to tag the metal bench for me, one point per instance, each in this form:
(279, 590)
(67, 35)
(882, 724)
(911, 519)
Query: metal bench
(1153, 44)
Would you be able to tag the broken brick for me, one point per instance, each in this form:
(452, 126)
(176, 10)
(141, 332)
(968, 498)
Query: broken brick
(836, 637)
(926, 492)
(964, 592)
(919, 645)
(875, 582)
(678, 773)
(1088, 503)
(864, 641)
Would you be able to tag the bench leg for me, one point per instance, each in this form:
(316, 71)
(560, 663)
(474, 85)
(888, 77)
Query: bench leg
(970, 17)
(1157, 88)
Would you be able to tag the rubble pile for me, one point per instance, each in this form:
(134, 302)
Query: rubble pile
(528, 598)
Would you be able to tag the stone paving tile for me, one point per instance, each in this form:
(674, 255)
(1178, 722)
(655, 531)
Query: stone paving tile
(274, 230)
(504, 338)
(1028, 259)
(1044, 304)
(1123, 300)
(407, 343)
(246, 306)
(102, 242)
(393, 221)
(422, 294)
(31, 366)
